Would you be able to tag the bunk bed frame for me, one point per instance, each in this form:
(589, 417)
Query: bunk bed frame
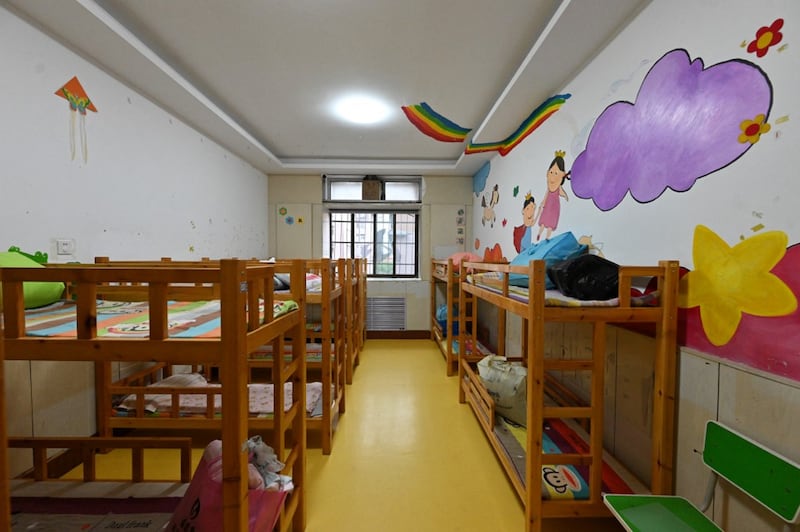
(355, 306)
(328, 367)
(331, 335)
(239, 285)
(535, 312)
(445, 275)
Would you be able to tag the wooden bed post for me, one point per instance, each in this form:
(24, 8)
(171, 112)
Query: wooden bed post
(598, 379)
(234, 374)
(5, 495)
(461, 356)
(664, 393)
(535, 333)
(298, 432)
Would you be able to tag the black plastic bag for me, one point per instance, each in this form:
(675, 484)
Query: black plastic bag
(586, 277)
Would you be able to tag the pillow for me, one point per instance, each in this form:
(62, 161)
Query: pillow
(278, 284)
(283, 278)
(313, 282)
(183, 380)
(464, 256)
(36, 294)
(153, 401)
(560, 247)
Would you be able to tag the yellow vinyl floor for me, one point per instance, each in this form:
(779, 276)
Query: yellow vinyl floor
(406, 456)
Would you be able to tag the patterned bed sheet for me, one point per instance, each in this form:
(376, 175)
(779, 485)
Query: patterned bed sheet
(126, 319)
(261, 399)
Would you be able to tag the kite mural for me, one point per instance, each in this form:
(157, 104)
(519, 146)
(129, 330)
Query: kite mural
(740, 301)
(528, 126)
(433, 124)
(687, 122)
(79, 103)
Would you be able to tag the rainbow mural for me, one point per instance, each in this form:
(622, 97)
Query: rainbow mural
(534, 120)
(433, 124)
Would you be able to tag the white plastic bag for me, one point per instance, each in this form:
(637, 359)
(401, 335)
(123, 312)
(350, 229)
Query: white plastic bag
(506, 382)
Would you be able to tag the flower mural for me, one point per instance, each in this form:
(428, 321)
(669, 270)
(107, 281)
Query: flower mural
(766, 36)
(729, 281)
(753, 129)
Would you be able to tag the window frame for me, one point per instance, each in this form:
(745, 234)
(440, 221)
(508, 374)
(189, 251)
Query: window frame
(373, 260)
(375, 207)
(329, 179)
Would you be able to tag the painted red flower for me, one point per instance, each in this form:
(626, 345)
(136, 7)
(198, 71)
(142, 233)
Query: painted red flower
(766, 36)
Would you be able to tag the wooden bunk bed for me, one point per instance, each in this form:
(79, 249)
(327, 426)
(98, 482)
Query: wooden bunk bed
(536, 306)
(324, 348)
(324, 340)
(355, 305)
(445, 276)
(325, 327)
(239, 286)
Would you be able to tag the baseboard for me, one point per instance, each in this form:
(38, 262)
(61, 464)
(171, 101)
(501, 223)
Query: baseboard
(398, 335)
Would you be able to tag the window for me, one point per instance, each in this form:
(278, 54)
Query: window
(388, 240)
(384, 231)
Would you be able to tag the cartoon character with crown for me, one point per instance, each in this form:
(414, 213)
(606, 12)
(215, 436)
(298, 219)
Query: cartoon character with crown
(550, 208)
(523, 234)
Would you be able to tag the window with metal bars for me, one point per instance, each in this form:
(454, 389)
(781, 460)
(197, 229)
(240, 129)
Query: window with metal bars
(387, 239)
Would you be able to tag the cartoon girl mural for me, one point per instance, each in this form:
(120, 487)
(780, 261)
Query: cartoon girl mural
(550, 208)
(523, 234)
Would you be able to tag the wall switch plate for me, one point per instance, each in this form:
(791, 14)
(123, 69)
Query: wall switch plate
(65, 246)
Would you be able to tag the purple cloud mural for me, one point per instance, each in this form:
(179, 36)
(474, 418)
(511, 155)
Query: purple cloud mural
(687, 122)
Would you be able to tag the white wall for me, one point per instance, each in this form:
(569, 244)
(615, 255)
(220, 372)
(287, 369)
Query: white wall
(151, 186)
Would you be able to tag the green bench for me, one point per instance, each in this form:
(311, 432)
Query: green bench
(769, 478)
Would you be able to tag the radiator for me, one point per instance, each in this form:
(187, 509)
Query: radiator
(386, 313)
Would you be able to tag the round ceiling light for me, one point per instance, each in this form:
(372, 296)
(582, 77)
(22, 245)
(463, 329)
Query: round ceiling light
(361, 109)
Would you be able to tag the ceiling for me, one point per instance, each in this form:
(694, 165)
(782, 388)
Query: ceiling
(260, 77)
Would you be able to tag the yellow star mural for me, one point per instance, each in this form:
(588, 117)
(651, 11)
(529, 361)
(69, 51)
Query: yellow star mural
(728, 281)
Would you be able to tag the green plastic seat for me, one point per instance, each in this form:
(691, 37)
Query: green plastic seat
(764, 475)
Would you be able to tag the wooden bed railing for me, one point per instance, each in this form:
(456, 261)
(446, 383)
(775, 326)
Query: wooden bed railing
(90, 446)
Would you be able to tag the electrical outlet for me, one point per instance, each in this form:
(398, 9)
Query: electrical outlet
(65, 246)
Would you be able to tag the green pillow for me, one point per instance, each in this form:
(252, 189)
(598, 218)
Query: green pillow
(36, 294)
